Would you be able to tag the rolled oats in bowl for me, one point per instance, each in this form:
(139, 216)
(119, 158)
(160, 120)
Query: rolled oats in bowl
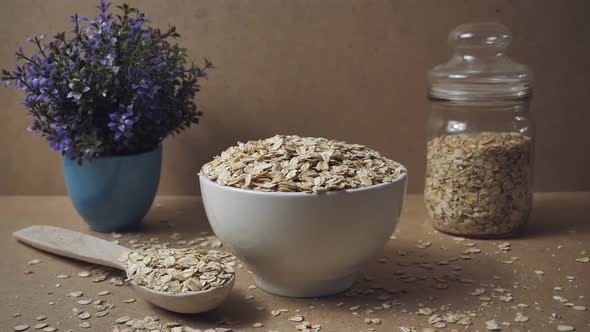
(289, 163)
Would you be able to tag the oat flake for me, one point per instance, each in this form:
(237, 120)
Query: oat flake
(493, 325)
(83, 274)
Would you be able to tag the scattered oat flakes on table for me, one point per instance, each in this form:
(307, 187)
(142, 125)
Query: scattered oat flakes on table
(84, 315)
(102, 313)
(521, 318)
(123, 320)
(84, 274)
(493, 325)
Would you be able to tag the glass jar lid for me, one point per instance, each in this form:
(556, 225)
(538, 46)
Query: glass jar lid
(479, 69)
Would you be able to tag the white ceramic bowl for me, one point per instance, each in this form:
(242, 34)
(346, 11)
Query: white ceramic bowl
(302, 244)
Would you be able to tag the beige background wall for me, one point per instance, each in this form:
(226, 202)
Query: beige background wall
(352, 70)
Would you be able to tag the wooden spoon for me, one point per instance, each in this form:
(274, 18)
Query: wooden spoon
(91, 249)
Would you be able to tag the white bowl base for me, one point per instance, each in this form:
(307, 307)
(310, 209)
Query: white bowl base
(308, 288)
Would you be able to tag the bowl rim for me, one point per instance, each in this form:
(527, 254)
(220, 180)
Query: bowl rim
(395, 182)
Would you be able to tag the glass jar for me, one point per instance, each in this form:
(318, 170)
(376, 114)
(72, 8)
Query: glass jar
(480, 137)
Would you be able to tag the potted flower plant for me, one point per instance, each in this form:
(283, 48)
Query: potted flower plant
(106, 95)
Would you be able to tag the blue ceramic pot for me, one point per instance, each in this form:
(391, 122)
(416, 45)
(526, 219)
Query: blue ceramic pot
(115, 192)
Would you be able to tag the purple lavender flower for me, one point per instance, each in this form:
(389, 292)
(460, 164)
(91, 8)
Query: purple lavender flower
(90, 93)
(122, 122)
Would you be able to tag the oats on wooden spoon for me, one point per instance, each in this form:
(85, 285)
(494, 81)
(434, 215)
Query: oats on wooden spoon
(179, 270)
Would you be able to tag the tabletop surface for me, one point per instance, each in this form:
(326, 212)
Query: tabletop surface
(540, 279)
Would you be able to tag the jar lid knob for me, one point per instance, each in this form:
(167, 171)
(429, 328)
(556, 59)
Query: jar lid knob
(487, 35)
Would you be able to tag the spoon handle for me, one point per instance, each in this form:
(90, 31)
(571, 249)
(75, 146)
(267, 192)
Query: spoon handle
(72, 244)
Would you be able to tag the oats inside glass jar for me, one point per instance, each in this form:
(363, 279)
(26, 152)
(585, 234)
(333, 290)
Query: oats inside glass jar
(479, 184)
